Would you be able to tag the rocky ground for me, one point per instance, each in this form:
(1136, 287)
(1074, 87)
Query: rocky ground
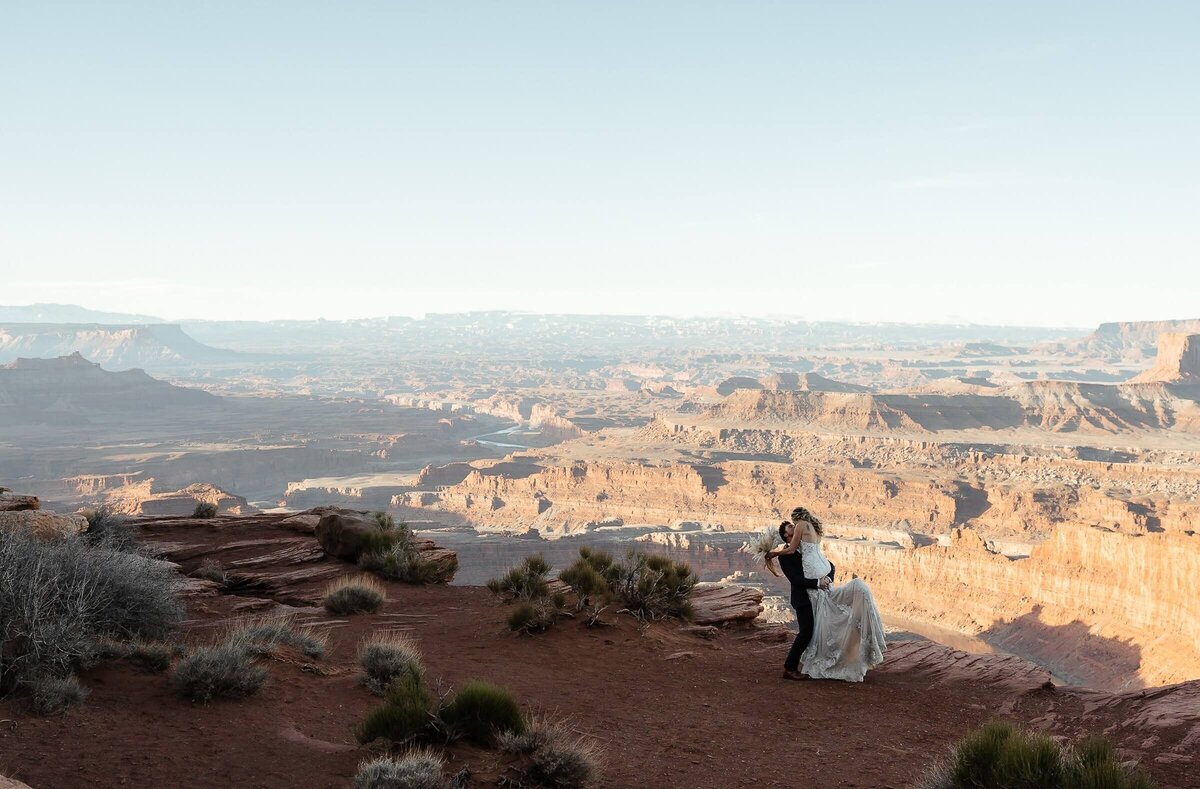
(670, 707)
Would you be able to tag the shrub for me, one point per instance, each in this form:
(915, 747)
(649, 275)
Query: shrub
(401, 561)
(1001, 755)
(107, 529)
(558, 756)
(653, 587)
(223, 671)
(57, 599)
(526, 581)
(211, 570)
(480, 712)
(55, 695)
(403, 715)
(385, 657)
(530, 618)
(419, 768)
(264, 636)
(387, 523)
(358, 595)
(205, 509)
(151, 656)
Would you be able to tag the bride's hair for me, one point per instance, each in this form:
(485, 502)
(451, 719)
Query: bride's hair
(802, 514)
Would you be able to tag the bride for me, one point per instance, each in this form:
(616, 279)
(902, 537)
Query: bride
(840, 632)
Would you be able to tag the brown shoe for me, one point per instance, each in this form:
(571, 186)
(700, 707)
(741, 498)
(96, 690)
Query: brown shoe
(795, 675)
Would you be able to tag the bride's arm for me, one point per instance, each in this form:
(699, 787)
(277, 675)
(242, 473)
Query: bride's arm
(791, 546)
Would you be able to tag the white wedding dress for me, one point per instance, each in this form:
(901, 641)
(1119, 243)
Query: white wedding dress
(848, 636)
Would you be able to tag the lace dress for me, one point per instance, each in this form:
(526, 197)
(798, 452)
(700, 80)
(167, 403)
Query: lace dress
(848, 635)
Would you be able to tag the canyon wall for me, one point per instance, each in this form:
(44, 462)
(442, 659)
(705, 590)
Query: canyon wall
(1100, 608)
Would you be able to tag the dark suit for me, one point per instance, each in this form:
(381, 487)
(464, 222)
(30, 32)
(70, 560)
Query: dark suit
(793, 567)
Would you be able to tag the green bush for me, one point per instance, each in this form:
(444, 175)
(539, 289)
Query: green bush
(56, 695)
(653, 587)
(399, 560)
(223, 671)
(404, 714)
(526, 581)
(358, 595)
(385, 657)
(999, 755)
(107, 529)
(536, 617)
(151, 656)
(480, 712)
(205, 510)
(418, 768)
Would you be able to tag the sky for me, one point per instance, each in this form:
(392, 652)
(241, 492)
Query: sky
(1028, 163)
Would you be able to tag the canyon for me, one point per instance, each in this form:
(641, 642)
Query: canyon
(1031, 490)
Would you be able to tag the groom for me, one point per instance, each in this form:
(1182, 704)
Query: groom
(792, 565)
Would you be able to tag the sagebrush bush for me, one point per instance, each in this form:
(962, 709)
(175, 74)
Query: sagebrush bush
(56, 695)
(526, 581)
(999, 755)
(559, 757)
(57, 599)
(418, 768)
(107, 529)
(205, 510)
(360, 594)
(225, 670)
(480, 712)
(385, 657)
(404, 714)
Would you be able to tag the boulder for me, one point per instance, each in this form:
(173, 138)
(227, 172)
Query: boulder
(42, 524)
(306, 522)
(721, 604)
(12, 503)
(343, 534)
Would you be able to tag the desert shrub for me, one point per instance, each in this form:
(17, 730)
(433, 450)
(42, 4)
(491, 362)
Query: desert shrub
(559, 757)
(151, 656)
(526, 581)
(401, 561)
(56, 695)
(999, 755)
(536, 617)
(222, 671)
(480, 712)
(57, 599)
(652, 587)
(264, 636)
(418, 768)
(211, 570)
(107, 529)
(404, 714)
(387, 523)
(385, 657)
(205, 510)
(358, 595)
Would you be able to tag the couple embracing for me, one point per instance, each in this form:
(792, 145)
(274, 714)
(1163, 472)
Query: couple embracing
(841, 635)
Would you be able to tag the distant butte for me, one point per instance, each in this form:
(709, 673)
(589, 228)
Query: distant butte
(1178, 360)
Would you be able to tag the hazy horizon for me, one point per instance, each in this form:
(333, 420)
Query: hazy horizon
(1027, 164)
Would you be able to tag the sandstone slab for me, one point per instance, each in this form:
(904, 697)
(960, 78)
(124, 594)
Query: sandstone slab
(11, 503)
(721, 604)
(43, 524)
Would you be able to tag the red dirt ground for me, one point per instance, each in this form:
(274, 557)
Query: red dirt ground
(716, 716)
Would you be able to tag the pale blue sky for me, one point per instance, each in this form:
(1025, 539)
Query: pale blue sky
(997, 162)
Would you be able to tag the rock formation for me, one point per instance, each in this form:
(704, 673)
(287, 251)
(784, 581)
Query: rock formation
(1178, 360)
(43, 524)
(148, 346)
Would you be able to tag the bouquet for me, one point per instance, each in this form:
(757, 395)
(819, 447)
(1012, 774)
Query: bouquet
(767, 541)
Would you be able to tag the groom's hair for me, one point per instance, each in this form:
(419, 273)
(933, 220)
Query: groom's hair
(783, 527)
(802, 514)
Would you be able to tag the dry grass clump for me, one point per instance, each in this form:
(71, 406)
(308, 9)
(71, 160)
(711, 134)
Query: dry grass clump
(222, 671)
(151, 655)
(417, 768)
(265, 636)
(108, 529)
(385, 657)
(999, 755)
(211, 570)
(56, 695)
(359, 594)
(536, 617)
(205, 510)
(558, 756)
